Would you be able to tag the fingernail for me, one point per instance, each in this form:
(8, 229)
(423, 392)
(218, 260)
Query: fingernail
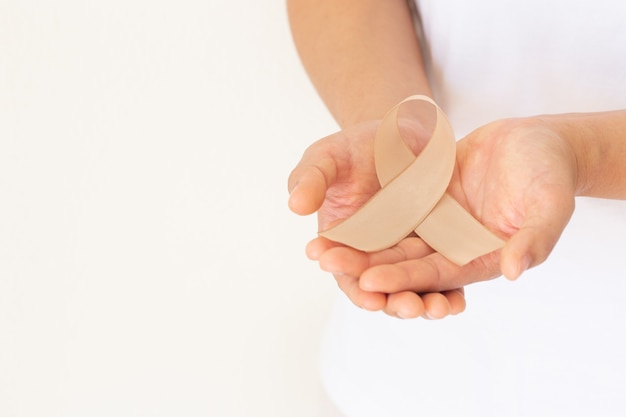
(292, 191)
(401, 316)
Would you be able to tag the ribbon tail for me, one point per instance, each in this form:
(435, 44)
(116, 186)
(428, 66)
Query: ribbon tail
(456, 234)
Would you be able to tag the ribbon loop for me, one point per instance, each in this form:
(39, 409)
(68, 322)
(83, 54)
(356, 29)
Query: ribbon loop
(413, 197)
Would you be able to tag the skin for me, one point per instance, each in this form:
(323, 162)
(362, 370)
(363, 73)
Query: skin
(518, 176)
(362, 57)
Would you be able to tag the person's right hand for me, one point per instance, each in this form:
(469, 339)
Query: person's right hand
(335, 177)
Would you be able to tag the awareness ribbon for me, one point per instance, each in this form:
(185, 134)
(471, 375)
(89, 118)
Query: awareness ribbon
(413, 197)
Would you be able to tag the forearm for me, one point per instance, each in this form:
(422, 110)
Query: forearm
(363, 56)
(599, 144)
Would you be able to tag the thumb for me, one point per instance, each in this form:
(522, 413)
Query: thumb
(308, 184)
(534, 240)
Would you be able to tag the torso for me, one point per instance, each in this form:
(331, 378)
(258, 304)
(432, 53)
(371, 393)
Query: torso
(551, 343)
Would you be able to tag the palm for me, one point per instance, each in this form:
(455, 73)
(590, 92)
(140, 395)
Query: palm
(356, 182)
(518, 178)
(509, 172)
(335, 177)
(515, 176)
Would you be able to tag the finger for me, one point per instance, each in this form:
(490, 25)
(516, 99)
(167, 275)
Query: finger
(318, 246)
(456, 299)
(309, 180)
(363, 299)
(347, 283)
(436, 306)
(432, 273)
(408, 304)
(404, 305)
(534, 240)
(408, 248)
(354, 262)
(308, 185)
(344, 260)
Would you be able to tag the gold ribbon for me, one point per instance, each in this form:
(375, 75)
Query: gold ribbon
(413, 197)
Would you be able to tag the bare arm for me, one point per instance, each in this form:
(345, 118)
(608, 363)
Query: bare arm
(599, 144)
(519, 175)
(363, 56)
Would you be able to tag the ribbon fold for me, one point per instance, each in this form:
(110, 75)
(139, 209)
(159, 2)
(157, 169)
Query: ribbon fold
(413, 197)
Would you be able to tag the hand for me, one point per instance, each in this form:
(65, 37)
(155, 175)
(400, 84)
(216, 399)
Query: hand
(517, 176)
(335, 177)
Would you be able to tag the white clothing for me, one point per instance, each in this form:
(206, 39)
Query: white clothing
(552, 343)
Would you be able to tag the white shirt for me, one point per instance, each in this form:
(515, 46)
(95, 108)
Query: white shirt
(554, 342)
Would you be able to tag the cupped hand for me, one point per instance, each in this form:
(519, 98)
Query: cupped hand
(517, 176)
(335, 177)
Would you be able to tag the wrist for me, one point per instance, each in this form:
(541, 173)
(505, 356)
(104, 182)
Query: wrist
(375, 104)
(576, 134)
(598, 141)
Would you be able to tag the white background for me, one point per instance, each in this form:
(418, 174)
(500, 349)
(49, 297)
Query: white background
(149, 265)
